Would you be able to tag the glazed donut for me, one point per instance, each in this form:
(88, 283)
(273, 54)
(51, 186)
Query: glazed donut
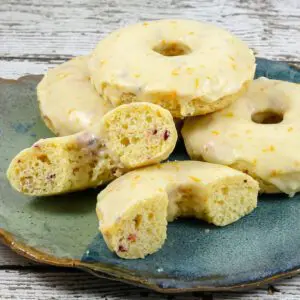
(134, 209)
(67, 99)
(127, 137)
(188, 67)
(258, 134)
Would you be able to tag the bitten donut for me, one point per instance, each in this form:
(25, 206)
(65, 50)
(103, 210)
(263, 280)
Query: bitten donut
(133, 210)
(188, 67)
(127, 137)
(68, 101)
(258, 134)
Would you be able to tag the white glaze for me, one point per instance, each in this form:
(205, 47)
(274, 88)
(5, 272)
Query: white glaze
(218, 64)
(68, 99)
(230, 135)
(173, 178)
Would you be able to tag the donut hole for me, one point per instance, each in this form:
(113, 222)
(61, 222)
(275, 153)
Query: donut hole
(172, 48)
(267, 117)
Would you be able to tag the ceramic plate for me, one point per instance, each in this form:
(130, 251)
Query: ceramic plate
(196, 256)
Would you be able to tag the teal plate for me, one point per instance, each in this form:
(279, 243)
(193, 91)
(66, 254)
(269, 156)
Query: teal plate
(196, 256)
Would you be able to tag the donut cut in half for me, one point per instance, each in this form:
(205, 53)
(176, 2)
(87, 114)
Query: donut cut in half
(134, 209)
(127, 137)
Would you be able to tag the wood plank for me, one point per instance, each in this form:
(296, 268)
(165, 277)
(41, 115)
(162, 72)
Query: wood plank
(35, 37)
(10, 259)
(70, 28)
(25, 279)
(18, 273)
(15, 68)
(52, 284)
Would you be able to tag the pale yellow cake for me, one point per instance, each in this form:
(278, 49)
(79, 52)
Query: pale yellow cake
(127, 137)
(258, 134)
(188, 67)
(68, 101)
(134, 209)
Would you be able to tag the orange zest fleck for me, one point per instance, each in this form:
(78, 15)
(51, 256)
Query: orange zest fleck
(195, 179)
(269, 149)
(275, 173)
(229, 115)
(175, 72)
(190, 70)
(172, 95)
(62, 75)
(215, 132)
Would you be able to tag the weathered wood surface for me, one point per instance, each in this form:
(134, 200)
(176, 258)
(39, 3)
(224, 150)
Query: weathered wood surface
(39, 31)
(20, 279)
(35, 35)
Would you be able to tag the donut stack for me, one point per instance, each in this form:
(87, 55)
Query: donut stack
(115, 111)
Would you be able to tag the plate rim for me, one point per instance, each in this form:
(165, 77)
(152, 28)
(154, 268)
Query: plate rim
(101, 271)
(39, 256)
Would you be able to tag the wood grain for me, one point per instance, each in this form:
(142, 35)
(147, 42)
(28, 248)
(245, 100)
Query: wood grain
(30, 28)
(29, 280)
(41, 283)
(10, 259)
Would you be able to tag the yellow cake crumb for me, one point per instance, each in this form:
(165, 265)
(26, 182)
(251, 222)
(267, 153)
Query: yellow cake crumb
(135, 224)
(93, 157)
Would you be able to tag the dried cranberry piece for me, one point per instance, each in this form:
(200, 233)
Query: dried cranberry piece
(122, 248)
(166, 134)
(131, 237)
(51, 176)
(154, 132)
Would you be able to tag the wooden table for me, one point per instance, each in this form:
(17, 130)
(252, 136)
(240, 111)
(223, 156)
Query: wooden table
(35, 35)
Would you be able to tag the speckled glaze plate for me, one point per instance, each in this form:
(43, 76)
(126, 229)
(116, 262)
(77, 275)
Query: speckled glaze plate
(197, 256)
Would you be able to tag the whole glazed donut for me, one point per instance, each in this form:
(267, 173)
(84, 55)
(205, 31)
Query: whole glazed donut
(258, 134)
(68, 101)
(188, 67)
